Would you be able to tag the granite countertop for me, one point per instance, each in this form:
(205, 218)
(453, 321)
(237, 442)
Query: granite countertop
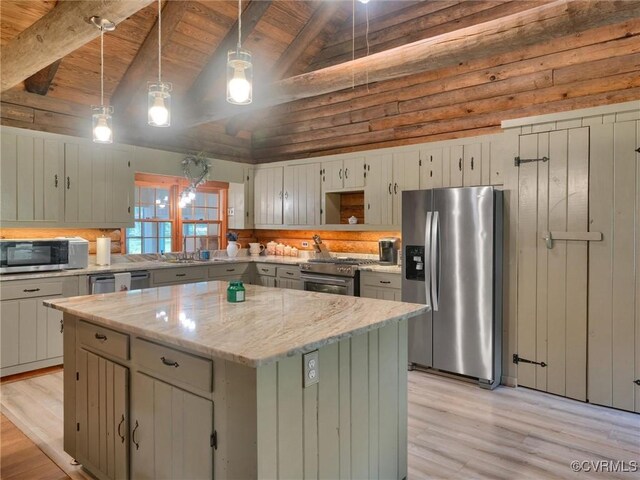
(142, 264)
(270, 325)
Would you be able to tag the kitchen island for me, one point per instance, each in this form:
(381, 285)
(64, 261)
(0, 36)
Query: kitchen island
(176, 382)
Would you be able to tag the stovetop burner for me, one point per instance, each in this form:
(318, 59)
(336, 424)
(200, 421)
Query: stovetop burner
(344, 261)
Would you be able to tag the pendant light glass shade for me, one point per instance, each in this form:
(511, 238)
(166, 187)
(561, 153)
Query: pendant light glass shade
(239, 77)
(101, 124)
(159, 104)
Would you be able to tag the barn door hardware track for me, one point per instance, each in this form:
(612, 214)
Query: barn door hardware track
(517, 359)
(517, 161)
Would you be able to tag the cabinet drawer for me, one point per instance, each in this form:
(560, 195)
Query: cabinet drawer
(389, 280)
(30, 290)
(104, 340)
(179, 275)
(174, 364)
(228, 270)
(266, 269)
(291, 273)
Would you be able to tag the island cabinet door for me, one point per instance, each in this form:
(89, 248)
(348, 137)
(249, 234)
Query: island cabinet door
(171, 431)
(101, 415)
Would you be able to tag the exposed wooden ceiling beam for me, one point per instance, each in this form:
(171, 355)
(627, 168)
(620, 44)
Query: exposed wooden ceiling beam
(547, 22)
(316, 24)
(58, 33)
(215, 67)
(145, 63)
(40, 81)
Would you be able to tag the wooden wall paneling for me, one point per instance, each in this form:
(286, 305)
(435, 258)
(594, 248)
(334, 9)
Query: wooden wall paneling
(310, 427)
(53, 181)
(98, 184)
(542, 262)
(557, 270)
(388, 401)
(577, 264)
(290, 197)
(374, 391)
(71, 166)
(344, 401)
(329, 413)
(403, 400)
(624, 282)
(267, 433)
(82, 434)
(637, 233)
(27, 331)
(600, 295)
(290, 428)
(527, 247)
(8, 178)
(25, 177)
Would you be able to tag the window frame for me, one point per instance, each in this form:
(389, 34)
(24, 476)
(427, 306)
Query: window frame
(176, 185)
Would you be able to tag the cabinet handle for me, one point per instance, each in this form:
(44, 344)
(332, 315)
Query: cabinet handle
(346, 173)
(389, 189)
(637, 381)
(231, 269)
(280, 194)
(61, 325)
(31, 290)
(181, 274)
(289, 273)
(55, 180)
(286, 195)
(133, 436)
(120, 425)
(340, 174)
(368, 206)
(460, 164)
(169, 363)
(101, 337)
(264, 269)
(68, 183)
(395, 188)
(386, 282)
(471, 163)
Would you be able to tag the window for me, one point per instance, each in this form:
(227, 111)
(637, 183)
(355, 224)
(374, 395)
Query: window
(162, 226)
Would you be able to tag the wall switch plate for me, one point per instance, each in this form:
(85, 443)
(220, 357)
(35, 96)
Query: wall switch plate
(310, 369)
(231, 211)
(305, 244)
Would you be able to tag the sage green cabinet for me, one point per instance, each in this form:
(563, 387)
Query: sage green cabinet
(172, 433)
(102, 420)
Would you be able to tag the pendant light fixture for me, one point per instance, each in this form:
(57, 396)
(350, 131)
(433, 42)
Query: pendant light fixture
(239, 70)
(159, 98)
(101, 115)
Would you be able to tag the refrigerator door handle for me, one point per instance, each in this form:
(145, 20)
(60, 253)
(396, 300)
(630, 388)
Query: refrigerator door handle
(427, 261)
(435, 261)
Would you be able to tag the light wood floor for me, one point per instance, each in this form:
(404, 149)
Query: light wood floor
(456, 430)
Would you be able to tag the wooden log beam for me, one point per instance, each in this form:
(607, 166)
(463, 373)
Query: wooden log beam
(58, 33)
(211, 73)
(540, 24)
(40, 81)
(145, 63)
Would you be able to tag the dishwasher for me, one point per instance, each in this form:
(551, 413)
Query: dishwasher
(105, 283)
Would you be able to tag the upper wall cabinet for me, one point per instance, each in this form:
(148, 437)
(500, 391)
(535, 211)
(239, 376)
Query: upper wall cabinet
(346, 173)
(49, 183)
(240, 202)
(268, 196)
(302, 194)
(32, 171)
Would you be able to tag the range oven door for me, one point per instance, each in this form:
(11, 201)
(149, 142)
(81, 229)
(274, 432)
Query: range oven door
(328, 284)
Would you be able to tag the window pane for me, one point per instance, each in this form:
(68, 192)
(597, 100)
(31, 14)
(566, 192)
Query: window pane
(199, 214)
(187, 229)
(212, 214)
(162, 210)
(134, 245)
(146, 212)
(147, 195)
(212, 200)
(201, 229)
(165, 229)
(187, 212)
(137, 196)
(213, 229)
(150, 245)
(167, 245)
(149, 229)
(200, 199)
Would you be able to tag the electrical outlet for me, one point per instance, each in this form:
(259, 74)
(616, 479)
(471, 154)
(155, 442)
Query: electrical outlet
(310, 368)
(305, 244)
(231, 212)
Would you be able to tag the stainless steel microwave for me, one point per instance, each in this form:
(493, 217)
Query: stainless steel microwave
(43, 254)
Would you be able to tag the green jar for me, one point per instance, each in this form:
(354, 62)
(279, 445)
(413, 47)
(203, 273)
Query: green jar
(235, 292)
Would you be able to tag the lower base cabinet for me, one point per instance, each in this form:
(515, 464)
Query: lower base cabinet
(383, 286)
(102, 422)
(171, 431)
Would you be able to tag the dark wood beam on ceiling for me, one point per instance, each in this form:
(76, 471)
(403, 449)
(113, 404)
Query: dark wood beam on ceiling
(58, 33)
(547, 22)
(41, 81)
(216, 66)
(144, 66)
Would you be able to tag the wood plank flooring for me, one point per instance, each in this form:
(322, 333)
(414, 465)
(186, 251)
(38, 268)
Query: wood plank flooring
(456, 430)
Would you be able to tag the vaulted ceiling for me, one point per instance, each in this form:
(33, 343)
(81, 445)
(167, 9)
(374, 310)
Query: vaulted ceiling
(330, 76)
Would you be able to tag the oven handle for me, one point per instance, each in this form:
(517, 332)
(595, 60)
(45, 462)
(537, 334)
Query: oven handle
(329, 280)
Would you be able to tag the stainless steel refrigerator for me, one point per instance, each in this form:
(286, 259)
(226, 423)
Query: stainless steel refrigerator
(452, 245)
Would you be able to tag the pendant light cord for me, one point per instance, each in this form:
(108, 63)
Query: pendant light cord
(102, 66)
(159, 42)
(239, 24)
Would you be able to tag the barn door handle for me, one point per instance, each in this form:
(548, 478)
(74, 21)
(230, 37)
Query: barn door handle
(120, 425)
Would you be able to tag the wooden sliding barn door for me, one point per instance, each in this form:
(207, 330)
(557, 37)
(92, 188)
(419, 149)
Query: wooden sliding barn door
(552, 277)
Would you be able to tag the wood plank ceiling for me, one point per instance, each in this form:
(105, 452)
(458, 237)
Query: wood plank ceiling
(596, 62)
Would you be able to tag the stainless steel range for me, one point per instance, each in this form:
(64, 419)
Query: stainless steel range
(333, 275)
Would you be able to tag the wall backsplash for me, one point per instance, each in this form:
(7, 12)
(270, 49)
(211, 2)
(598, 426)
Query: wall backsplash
(87, 233)
(337, 241)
